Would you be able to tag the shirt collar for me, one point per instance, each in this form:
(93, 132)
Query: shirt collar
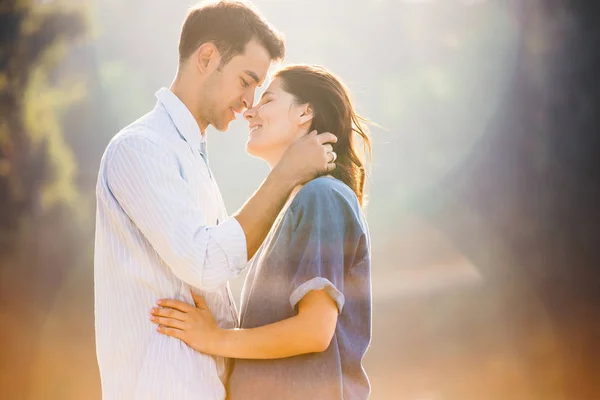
(182, 118)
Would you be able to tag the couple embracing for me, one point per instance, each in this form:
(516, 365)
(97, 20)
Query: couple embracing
(166, 323)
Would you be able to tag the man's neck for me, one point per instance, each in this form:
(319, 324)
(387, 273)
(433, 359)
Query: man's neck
(179, 90)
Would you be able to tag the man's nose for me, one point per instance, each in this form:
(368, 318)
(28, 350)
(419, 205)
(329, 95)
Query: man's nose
(248, 99)
(249, 114)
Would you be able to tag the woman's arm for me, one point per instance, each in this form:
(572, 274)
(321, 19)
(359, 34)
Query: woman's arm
(310, 331)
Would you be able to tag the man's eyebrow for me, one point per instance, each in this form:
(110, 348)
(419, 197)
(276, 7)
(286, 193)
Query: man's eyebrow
(266, 94)
(253, 76)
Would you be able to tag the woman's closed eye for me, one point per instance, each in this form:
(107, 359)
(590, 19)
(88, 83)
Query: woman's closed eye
(244, 83)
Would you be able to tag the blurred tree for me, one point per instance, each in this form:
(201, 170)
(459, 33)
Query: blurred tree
(38, 230)
(36, 166)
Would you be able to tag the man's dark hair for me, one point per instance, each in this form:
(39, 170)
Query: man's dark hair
(230, 25)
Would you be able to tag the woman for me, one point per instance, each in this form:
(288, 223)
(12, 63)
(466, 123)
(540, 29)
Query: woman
(306, 305)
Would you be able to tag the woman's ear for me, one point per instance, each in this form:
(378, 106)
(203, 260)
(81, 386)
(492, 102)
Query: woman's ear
(306, 114)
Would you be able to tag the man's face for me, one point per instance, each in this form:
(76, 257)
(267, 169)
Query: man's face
(231, 88)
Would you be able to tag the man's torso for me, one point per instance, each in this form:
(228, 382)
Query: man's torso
(135, 361)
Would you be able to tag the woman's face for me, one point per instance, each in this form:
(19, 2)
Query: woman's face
(275, 122)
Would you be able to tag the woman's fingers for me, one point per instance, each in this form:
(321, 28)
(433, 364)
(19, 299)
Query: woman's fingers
(176, 304)
(169, 313)
(176, 333)
(168, 322)
(199, 301)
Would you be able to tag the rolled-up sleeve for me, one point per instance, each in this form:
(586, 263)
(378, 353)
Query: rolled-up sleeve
(325, 235)
(144, 179)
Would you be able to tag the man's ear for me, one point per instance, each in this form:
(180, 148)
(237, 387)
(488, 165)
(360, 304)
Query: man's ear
(207, 57)
(306, 114)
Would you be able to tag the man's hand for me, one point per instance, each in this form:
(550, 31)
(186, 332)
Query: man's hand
(305, 159)
(308, 157)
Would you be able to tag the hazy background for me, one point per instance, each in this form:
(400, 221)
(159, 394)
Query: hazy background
(483, 195)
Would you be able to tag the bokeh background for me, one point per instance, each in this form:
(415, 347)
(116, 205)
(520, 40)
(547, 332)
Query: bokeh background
(483, 193)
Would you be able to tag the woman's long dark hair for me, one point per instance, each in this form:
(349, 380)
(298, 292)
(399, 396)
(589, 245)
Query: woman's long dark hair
(333, 112)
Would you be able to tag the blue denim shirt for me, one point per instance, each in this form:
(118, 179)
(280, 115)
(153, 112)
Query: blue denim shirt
(321, 241)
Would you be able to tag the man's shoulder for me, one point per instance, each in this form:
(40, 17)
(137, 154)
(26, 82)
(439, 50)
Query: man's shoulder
(152, 129)
(135, 135)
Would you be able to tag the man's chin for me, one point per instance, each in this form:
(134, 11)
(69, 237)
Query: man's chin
(221, 126)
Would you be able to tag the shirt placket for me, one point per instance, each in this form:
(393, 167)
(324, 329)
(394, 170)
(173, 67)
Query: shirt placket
(203, 153)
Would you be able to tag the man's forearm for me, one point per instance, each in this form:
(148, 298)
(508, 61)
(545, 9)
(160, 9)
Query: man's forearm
(258, 214)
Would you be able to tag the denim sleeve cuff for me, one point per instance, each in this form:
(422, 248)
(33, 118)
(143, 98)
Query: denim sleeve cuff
(318, 284)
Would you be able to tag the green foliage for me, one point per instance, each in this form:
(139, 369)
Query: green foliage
(44, 105)
(36, 164)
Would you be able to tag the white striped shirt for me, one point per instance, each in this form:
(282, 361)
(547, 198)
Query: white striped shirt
(161, 229)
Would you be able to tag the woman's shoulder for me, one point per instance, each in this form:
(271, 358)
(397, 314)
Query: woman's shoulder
(326, 191)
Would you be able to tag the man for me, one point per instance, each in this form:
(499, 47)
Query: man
(162, 229)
